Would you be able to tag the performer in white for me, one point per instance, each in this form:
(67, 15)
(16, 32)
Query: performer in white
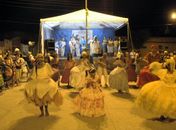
(95, 46)
(91, 46)
(116, 45)
(105, 45)
(77, 46)
(110, 46)
(62, 46)
(57, 49)
(72, 44)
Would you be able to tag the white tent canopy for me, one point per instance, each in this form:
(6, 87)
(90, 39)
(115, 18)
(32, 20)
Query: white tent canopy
(77, 20)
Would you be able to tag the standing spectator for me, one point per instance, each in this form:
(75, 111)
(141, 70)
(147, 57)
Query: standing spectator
(21, 67)
(153, 55)
(9, 65)
(2, 67)
(69, 64)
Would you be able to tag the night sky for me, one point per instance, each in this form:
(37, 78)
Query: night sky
(24, 15)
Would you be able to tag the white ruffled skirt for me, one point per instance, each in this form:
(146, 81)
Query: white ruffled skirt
(90, 102)
(77, 77)
(43, 92)
(118, 79)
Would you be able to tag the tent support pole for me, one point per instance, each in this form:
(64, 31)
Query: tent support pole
(130, 42)
(39, 40)
(86, 28)
(86, 22)
(42, 44)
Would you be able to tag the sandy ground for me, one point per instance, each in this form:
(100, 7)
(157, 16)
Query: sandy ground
(121, 114)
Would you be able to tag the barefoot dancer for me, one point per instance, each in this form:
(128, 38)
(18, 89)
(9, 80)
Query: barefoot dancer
(42, 90)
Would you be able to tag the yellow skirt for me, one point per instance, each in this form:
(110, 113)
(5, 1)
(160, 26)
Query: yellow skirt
(159, 98)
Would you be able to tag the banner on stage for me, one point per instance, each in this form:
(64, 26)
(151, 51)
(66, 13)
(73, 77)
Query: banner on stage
(82, 33)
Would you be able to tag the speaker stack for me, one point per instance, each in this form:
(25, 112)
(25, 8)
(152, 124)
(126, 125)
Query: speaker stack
(49, 45)
(124, 43)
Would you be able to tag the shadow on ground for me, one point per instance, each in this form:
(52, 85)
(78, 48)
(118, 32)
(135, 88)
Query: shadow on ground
(141, 113)
(1, 93)
(96, 123)
(167, 120)
(21, 90)
(34, 123)
(64, 87)
(73, 94)
(107, 88)
(30, 107)
(151, 121)
(124, 96)
(157, 125)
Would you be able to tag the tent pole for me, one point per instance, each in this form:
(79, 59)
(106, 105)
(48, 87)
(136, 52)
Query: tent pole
(86, 22)
(130, 42)
(128, 36)
(42, 44)
(39, 40)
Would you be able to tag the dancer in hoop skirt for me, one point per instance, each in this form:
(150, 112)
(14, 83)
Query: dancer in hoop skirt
(159, 97)
(90, 101)
(77, 77)
(42, 90)
(118, 78)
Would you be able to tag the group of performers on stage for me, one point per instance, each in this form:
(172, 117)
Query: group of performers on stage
(154, 74)
(77, 45)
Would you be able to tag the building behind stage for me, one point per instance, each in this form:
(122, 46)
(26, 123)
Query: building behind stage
(164, 43)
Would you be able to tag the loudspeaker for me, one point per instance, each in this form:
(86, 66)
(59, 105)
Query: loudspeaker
(124, 45)
(50, 45)
(123, 42)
